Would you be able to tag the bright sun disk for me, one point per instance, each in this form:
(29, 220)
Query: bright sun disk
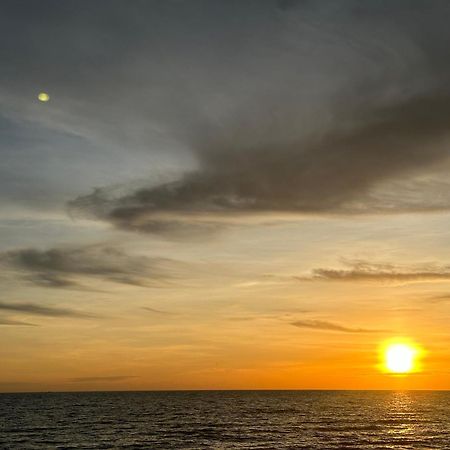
(400, 358)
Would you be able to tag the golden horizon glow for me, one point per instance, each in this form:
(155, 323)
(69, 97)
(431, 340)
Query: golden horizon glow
(43, 97)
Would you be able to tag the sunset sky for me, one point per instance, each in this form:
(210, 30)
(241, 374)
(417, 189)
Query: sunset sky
(223, 194)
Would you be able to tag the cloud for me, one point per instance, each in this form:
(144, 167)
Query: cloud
(337, 149)
(112, 378)
(158, 311)
(68, 267)
(19, 385)
(264, 107)
(333, 175)
(331, 326)
(39, 310)
(442, 298)
(6, 321)
(276, 314)
(361, 271)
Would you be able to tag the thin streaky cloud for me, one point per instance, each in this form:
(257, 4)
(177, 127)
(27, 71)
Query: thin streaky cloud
(68, 267)
(111, 378)
(158, 311)
(49, 311)
(331, 326)
(6, 321)
(442, 298)
(383, 273)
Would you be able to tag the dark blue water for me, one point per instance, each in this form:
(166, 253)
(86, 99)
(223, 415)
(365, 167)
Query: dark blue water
(226, 420)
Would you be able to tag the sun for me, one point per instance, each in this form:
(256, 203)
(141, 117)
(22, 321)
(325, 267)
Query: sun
(400, 357)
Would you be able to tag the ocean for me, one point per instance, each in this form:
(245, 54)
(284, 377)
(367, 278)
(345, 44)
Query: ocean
(226, 420)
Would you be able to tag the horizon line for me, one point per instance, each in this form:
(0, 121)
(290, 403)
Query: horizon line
(219, 390)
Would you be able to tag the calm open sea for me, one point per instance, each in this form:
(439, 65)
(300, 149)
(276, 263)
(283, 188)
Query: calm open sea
(226, 420)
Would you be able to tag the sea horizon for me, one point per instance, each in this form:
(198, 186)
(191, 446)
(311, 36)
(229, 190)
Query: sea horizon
(221, 390)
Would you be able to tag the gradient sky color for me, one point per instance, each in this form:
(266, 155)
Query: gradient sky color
(223, 194)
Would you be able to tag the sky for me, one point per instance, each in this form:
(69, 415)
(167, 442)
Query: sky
(223, 194)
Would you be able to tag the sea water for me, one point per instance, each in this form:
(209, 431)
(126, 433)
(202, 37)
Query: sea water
(226, 420)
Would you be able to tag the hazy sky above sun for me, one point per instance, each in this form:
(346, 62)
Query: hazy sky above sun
(223, 194)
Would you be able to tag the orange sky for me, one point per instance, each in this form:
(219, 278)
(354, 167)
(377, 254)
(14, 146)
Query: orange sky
(223, 325)
(223, 194)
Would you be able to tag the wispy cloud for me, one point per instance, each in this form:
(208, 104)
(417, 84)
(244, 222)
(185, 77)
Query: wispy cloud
(39, 310)
(6, 321)
(158, 311)
(361, 271)
(106, 379)
(331, 326)
(67, 267)
(441, 298)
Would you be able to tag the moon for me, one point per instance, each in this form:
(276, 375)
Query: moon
(43, 97)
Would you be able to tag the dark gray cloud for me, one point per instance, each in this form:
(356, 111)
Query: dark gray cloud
(111, 379)
(331, 326)
(334, 174)
(263, 106)
(267, 156)
(39, 310)
(361, 271)
(70, 267)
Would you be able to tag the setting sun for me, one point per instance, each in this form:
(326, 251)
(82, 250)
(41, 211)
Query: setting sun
(400, 357)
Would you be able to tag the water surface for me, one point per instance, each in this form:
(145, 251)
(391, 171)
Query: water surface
(226, 420)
